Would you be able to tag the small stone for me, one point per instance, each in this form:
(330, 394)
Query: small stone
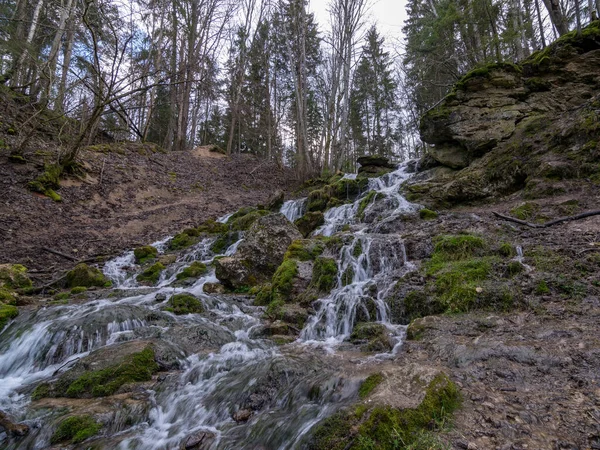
(242, 415)
(213, 288)
(160, 297)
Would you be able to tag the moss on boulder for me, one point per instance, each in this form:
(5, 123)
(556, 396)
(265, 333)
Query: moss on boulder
(14, 276)
(310, 222)
(194, 270)
(184, 303)
(75, 429)
(151, 274)
(386, 428)
(145, 253)
(7, 312)
(373, 337)
(85, 276)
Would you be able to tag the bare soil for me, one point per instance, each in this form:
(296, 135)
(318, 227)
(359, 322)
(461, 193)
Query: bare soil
(131, 195)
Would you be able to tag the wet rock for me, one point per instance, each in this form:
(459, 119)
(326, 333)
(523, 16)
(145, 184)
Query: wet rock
(260, 253)
(86, 276)
(310, 222)
(11, 427)
(276, 200)
(233, 273)
(373, 337)
(213, 288)
(200, 338)
(201, 440)
(374, 165)
(160, 297)
(243, 415)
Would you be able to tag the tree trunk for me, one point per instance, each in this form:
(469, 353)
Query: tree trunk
(49, 71)
(540, 22)
(19, 67)
(556, 16)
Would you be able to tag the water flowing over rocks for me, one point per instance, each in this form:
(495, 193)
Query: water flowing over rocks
(303, 342)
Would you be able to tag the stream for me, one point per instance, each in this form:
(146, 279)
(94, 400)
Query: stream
(203, 398)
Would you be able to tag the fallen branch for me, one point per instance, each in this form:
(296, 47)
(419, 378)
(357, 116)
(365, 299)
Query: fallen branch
(54, 282)
(56, 252)
(550, 223)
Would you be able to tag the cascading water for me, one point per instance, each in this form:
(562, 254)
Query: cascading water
(239, 374)
(293, 209)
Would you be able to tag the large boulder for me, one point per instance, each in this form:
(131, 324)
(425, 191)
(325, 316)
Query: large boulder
(529, 127)
(374, 165)
(260, 253)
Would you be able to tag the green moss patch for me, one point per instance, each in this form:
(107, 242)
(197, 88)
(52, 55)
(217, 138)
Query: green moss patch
(195, 270)
(47, 182)
(85, 276)
(7, 312)
(145, 253)
(304, 249)
(244, 222)
(75, 429)
(151, 274)
(14, 276)
(324, 274)
(369, 384)
(371, 197)
(525, 211)
(309, 222)
(100, 383)
(455, 247)
(182, 240)
(184, 303)
(427, 214)
(384, 427)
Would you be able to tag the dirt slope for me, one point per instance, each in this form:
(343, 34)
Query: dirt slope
(132, 195)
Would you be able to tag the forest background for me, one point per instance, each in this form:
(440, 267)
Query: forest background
(259, 76)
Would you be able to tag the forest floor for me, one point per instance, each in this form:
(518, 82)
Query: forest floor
(131, 195)
(530, 374)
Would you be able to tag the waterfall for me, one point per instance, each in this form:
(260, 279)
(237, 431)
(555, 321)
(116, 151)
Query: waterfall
(293, 209)
(233, 369)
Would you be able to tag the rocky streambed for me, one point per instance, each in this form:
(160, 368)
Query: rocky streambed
(348, 319)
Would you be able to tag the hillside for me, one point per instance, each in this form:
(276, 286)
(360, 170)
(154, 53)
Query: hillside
(127, 194)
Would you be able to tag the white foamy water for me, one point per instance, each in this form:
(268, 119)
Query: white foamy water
(293, 209)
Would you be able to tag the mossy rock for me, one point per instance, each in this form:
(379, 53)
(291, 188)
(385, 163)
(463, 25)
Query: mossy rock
(7, 312)
(145, 253)
(183, 240)
(324, 274)
(212, 227)
(224, 241)
(427, 214)
(8, 297)
(152, 274)
(373, 337)
(282, 282)
(309, 222)
(305, 249)
(136, 367)
(318, 200)
(14, 276)
(369, 384)
(244, 222)
(195, 270)
(384, 427)
(367, 200)
(184, 303)
(75, 429)
(85, 276)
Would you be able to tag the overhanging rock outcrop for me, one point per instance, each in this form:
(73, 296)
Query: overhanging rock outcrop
(505, 127)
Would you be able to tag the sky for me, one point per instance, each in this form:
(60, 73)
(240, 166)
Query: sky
(389, 15)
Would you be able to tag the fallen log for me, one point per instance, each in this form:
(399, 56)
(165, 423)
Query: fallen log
(547, 224)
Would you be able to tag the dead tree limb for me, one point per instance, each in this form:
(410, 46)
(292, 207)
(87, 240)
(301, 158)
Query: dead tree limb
(56, 252)
(550, 223)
